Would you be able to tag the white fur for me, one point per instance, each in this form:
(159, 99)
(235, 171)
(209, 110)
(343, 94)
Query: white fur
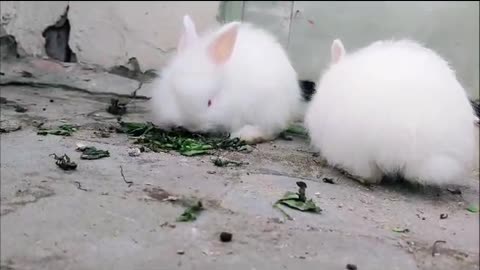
(255, 95)
(393, 107)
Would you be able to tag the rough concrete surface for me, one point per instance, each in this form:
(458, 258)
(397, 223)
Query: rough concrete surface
(50, 222)
(146, 30)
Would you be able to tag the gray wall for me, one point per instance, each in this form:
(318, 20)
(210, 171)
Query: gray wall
(308, 28)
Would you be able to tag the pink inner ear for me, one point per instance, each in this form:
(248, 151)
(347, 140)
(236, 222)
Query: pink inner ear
(337, 51)
(222, 48)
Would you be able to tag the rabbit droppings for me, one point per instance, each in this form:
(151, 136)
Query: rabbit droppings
(394, 107)
(237, 79)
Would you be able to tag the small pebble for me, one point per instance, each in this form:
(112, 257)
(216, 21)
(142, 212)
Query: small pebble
(226, 237)
(134, 152)
(351, 266)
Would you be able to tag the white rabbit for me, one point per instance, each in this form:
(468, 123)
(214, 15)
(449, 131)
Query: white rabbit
(237, 79)
(394, 107)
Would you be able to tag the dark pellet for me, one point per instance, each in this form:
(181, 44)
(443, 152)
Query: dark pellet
(226, 237)
(351, 266)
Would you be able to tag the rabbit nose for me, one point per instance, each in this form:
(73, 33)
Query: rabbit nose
(209, 103)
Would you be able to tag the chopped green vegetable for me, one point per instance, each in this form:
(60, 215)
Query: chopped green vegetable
(184, 142)
(92, 153)
(400, 230)
(62, 130)
(298, 201)
(296, 130)
(191, 213)
(472, 208)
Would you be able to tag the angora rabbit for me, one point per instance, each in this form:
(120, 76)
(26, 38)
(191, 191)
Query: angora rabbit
(394, 107)
(237, 79)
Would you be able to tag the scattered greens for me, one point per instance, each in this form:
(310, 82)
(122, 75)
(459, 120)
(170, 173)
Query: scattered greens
(191, 213)
(182, 141)
(64, 162)
(297, 130)
(298, 201)
(472, 208)
(62, 130)
(400, 230)
(293, 130)
(91, 153)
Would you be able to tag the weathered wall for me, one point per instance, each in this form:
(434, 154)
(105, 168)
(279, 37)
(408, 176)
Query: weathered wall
(307, 29)
(27, 20)
(451, 28)
(107, 33)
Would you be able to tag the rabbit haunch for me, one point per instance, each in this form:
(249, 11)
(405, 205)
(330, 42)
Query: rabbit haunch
(394, 107)
(237, 79)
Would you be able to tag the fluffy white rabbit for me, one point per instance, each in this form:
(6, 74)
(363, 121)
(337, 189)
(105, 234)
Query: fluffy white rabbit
(237, 79)
(394, 107)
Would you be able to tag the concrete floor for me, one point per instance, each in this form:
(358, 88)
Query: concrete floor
(47, 222)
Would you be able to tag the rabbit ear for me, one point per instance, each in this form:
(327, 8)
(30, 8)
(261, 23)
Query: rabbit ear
(337, 51)
(189, 34)
(222, 47)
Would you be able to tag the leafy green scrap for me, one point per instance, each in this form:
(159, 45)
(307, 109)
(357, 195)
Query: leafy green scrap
(472, 209)
(296, 130)
(182, 141)
(400, 230)
(92, 153)
(191, 213)
(298, 201)
(62, 130)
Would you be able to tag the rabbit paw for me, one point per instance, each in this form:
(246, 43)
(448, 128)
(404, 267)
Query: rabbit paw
(252, 135)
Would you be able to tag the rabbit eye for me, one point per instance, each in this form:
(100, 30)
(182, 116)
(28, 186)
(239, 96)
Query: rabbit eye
(209, 102)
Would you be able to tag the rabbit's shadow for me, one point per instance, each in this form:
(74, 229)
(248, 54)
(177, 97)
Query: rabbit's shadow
(399, 184)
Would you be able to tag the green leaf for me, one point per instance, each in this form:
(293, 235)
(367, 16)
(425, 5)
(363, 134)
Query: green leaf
(292, 200)
(191, 153)
(191, 213)
(62, 130)
(296, 130)
(290, 196)
(400, 230)
(472, 208)
(302, 206)
(92, 153)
